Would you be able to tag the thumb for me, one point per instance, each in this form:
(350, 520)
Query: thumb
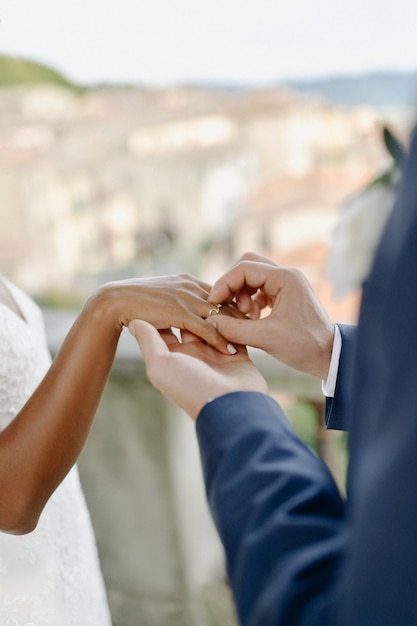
(245, 332)
(148, 338)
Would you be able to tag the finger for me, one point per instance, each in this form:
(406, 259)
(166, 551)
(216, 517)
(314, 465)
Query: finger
(169, 337)
(247, 304)
(197, 306)
(245, 275)
(258, 258)
(209, 333)
(243, 332)
(255, 311)
(203, 285)
(261, 300)
(244, 301)
(187, 337)
(149, 340)
(232, 310)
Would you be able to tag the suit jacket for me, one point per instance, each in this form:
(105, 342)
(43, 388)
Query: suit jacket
(297, 554)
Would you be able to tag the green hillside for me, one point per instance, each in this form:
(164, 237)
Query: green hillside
(14, 71)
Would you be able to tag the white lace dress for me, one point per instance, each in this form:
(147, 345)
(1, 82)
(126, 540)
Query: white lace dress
(50, 577)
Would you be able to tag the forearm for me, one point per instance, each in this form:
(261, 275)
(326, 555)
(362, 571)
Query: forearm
(277, 510)
(42, 443)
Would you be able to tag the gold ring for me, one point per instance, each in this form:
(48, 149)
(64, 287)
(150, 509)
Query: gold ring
(215, 310)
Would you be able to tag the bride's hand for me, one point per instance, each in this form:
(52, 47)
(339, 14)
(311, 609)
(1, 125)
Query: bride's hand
(163, 301)
(191, 373)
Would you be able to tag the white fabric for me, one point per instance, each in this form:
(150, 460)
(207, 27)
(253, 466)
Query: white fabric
(328, 386)
(50, 577)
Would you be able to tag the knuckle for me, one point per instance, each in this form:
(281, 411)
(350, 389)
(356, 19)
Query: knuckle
(249, 256)
(296, 274)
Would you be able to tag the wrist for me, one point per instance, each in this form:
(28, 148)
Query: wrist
(326, 358)
(103, 310)
(322, 356)
(258, 386)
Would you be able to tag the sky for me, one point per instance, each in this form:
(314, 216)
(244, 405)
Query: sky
(258, 42)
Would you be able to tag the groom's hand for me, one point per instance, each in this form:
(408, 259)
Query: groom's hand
(191, 373)
(296, 329)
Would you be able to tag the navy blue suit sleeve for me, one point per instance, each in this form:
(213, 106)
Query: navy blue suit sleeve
(277, 509)
(336, 416)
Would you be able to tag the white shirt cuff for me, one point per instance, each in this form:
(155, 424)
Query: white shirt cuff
(328, 386)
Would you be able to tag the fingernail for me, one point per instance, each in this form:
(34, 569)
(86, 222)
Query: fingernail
(231, 348)
(211, 321)
(131, 329)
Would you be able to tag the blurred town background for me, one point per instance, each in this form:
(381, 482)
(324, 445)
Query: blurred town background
(109, 182)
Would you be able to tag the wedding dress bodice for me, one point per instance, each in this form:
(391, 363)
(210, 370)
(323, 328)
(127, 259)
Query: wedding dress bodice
(50, 577)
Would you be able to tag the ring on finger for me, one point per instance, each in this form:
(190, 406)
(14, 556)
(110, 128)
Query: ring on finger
(216, 309)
